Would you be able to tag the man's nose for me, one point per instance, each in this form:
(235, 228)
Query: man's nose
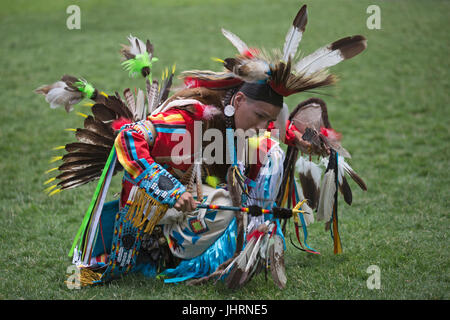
(262, 125)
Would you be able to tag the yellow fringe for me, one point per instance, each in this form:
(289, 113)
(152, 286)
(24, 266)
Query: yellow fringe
(103, 94)
(217, 60)
(54, 192)
(87, 277)
(159, 213)
(134, 202)
(87, 104)
(54, 159)
(58, 148)
(70, 129)
(82, 114)
(50, 170)
(140, 209)
(50, 188)
(144, 216)
(49, 180)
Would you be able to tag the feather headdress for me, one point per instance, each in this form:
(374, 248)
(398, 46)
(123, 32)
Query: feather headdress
(285, 73)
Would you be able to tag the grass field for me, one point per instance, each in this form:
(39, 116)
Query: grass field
(390, 105)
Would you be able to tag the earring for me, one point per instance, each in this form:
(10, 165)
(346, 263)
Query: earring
(229, 110)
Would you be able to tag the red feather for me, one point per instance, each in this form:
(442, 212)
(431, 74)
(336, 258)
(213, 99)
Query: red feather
(251, 52)
(191, 82)
(255, 233)
(331, 134)
(281, 89)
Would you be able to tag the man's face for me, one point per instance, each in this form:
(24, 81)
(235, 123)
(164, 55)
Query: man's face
(253, 114)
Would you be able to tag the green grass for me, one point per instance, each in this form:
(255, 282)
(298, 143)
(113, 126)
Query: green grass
(391, 106)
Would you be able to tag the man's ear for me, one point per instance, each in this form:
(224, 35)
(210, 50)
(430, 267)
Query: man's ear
(238, 99)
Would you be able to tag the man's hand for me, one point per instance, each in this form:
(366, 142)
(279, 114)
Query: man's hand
(185, 203)
(307, 147)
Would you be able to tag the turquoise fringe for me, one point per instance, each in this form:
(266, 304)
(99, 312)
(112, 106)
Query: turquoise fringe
(206, 263)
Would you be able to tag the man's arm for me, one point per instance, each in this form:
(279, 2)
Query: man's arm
(133, 146)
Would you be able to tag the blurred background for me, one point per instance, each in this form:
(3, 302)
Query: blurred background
(390, 105)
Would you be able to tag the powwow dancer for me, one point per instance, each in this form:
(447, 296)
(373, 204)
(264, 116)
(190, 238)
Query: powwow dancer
(198, 211)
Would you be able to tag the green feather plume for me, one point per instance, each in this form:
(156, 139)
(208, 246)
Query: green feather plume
(140, 64)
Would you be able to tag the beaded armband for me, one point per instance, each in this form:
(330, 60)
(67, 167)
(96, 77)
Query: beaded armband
(161, 185)
(151, 197)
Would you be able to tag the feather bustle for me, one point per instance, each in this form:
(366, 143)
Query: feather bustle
(76, 156)
(86, 147)
(99, 127)
(90, 137)
(131, 103)
(103, 113)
